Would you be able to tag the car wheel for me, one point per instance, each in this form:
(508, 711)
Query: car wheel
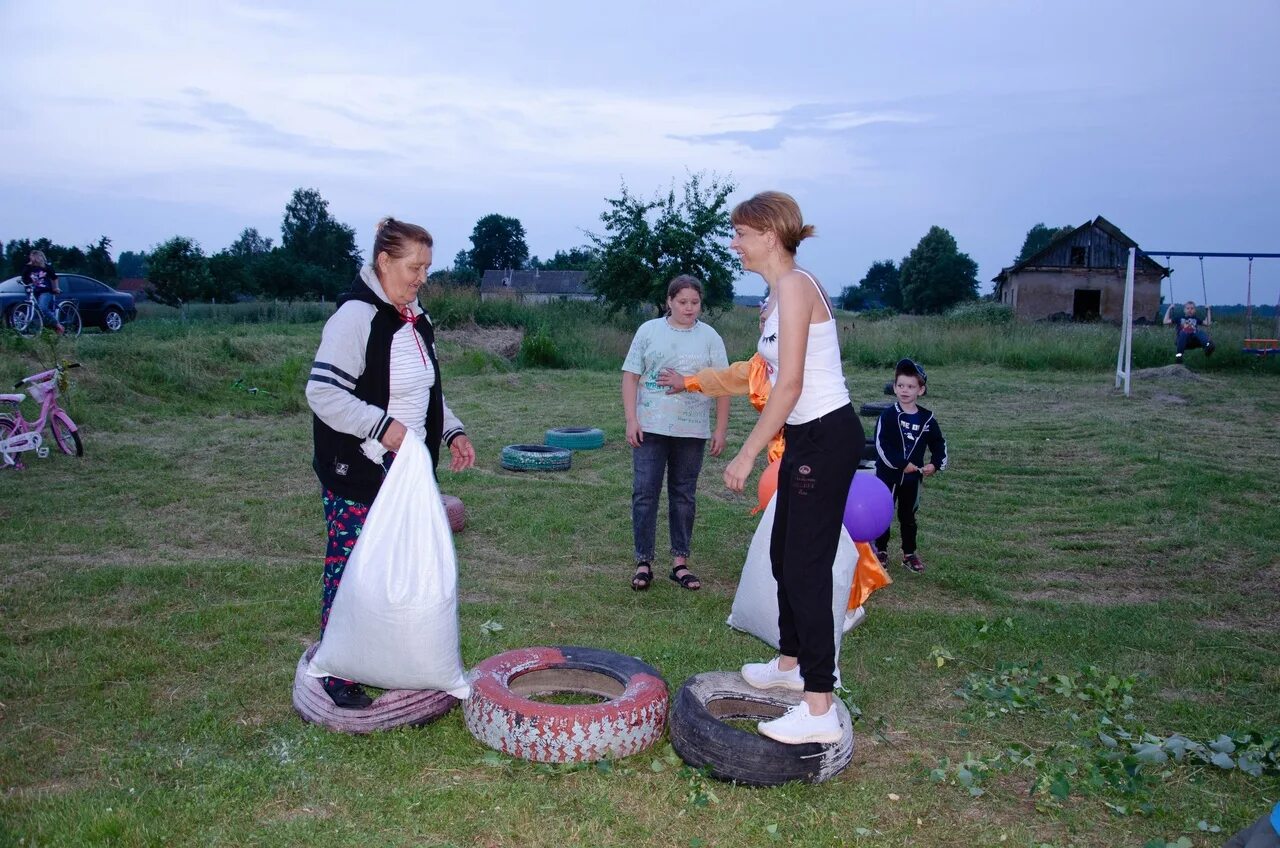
(536, 458)
(502, 714)
(700, 735)
(393, 708)
(113, 321)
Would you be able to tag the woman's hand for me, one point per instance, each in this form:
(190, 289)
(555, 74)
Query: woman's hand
(463, 452)
(672, 379)
(737, 471)
(394, 437)
(635, 435)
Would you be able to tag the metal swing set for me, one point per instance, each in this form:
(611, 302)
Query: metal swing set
(1252, 345)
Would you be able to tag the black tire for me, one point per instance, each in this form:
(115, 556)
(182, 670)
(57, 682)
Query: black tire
(112, 320)
(868, 458)
(576, 438)
(888, 388)
(501, 713)
(701, 738)
(393, 708)
(873, 410)
(536, 458)
(67, 439)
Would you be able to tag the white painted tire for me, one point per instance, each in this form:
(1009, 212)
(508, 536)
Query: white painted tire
(501, 713)
(393, 708)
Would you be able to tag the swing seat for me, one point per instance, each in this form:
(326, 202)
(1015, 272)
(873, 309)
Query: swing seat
(1262, 347)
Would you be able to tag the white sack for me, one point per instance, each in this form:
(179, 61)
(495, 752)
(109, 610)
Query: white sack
(755, 606)
(394, 622)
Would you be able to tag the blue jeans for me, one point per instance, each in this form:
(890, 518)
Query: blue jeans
(681, 459)
(1201, 340)
(47, 303)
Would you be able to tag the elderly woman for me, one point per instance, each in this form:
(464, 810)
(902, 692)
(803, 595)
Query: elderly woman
(375, 377)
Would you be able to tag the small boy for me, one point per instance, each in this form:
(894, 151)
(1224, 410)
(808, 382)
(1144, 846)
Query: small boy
(902, 434)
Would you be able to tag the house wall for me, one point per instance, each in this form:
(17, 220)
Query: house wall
(1037, 294)
(532, 297)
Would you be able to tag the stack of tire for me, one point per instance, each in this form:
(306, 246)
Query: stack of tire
(556, 454)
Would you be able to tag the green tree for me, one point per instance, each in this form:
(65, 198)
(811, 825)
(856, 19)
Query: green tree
(310, 234)
(60, 257)
(250, 243)
(1038, 238)
(462, 272)
(574, 259)
(936, 275)
(647, 242)
(131, 264)
(179, 272)
(880, 287)
(98, 262)
(497, 242)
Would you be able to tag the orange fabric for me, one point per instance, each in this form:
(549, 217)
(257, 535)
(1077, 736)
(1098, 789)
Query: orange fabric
(750, 378)
(868, 575)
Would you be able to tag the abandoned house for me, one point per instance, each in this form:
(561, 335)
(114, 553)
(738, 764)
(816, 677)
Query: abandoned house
(1080, 276)
(535, 286)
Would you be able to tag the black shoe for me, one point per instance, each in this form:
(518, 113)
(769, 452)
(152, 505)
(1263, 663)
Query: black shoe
(1208, 350)
(1177, 357)
(345, 693)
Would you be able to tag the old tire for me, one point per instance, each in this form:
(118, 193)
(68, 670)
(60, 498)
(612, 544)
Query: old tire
(868, 458)
(701, 737)
(393, 708)
(501, 713)
(456, 511)
(536, 458)
(576, 438)
(888, 388)
(873, 410)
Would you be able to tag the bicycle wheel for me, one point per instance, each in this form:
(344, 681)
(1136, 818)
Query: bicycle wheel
(8, 427)
(69, 317)
(25, 319)
(67, 439)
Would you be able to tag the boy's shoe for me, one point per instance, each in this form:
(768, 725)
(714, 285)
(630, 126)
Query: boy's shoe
(767, 676)
(1208, 349)
(58, 328)
(345, 693)
(1177, 357)
(797, 726)
(913, 562)
(883, 556)
(854, 617)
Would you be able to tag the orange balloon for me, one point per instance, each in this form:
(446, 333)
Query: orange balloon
(768, 485)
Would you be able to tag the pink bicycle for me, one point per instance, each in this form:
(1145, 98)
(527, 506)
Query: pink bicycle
(17, 435)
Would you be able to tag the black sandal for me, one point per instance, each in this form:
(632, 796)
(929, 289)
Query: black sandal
(643, 577)
(686, 580)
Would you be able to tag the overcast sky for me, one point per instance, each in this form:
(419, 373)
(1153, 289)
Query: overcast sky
(142, 120)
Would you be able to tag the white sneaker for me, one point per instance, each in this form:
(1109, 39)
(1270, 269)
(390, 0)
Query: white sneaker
(796, 726)
(854, 617)
(767, 676)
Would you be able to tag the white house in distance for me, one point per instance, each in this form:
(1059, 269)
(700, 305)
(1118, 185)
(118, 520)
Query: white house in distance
(535, 286)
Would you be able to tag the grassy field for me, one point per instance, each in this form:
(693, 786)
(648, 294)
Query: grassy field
(155, 596)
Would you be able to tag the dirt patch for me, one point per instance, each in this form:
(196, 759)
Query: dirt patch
(502, 341)
(1176, 400)
(1167, 372)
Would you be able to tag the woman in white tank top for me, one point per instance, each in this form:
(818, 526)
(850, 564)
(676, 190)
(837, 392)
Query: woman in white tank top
(824, 438)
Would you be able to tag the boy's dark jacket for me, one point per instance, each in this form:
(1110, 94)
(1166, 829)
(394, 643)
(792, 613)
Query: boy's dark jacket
(891, 449)
(339, 463)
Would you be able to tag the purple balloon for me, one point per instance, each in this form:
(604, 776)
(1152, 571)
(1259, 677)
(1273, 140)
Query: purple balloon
(869, 507)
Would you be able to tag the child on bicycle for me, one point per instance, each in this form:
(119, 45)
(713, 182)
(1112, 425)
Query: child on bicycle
(44, 285)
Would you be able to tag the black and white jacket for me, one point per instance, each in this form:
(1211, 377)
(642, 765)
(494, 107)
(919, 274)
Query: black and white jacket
(350, 389)
(902, 437)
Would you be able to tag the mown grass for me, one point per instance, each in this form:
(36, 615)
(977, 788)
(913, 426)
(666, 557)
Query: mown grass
(157, 592)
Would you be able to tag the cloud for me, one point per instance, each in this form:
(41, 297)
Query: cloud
(809, 120)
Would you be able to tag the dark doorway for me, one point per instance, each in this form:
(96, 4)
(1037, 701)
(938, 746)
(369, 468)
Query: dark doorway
(1087, 305)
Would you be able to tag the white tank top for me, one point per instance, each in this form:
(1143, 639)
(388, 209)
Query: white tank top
(824, 386)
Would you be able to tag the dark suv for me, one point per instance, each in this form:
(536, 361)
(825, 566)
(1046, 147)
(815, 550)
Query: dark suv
(99, 304)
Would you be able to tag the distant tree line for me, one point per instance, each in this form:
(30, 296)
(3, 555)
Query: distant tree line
(93, 260)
